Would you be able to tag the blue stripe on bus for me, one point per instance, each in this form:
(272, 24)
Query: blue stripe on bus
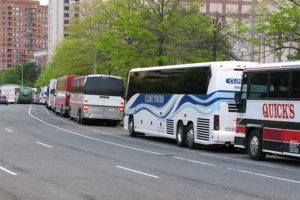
(164, 116)
(142, 98)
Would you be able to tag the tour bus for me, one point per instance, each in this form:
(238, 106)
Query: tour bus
(63, 94)
(97, 97)
(24, 95)
(9, 91)
(268, 120)
(192, 103)
(51, 96)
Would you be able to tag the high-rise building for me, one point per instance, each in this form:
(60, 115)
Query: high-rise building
(23, 30)
(60, 13)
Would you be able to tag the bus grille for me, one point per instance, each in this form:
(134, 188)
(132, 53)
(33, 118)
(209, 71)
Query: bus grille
(232, 107)
(170, 127)
(203, 129)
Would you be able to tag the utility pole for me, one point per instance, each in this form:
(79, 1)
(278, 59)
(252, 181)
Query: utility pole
(22, 73)
(94, 63)
(252, 26)
(3, 77)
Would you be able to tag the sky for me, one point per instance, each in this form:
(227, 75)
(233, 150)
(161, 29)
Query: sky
(44, 2)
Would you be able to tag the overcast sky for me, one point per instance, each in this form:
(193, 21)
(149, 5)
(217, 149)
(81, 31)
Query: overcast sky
(44, 2)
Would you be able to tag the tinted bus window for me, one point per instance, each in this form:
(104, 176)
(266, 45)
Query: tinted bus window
(279, 85)
(104, 86)
(170, 81)
(295, 87)
(258, 84)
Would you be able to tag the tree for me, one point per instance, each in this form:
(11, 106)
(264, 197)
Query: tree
(279, 25)
(114, 36)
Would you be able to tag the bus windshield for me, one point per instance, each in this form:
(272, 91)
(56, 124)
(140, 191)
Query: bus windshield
(108, 86)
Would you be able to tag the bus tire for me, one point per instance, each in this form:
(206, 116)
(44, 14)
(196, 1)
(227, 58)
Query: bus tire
(190, 138)
(131, 130)
(181, 135)
(254, 145)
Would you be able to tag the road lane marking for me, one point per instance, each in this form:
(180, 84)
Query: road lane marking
(161, 154)
(194, 161)
(200, 153)
(68, 121)
(265, 176)
(8, 130)
(8, 171)
(46, 145)
(92, 138)
(138, 172)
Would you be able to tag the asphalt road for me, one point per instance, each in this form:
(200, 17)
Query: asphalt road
(47, 157)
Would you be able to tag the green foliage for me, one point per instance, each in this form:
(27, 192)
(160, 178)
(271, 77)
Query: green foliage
(278, 25)
(31, 71)
(123, 34)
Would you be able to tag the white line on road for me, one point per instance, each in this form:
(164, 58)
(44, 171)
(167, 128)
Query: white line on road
(46, 145)
(8, 171)
(91, 138)
(8, 130)
(266, 176)
(194, 161)
(138, 172)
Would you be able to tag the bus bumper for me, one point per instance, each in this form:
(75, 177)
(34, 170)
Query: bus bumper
(239, 142)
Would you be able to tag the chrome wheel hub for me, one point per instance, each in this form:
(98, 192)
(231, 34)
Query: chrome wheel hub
(254, 143)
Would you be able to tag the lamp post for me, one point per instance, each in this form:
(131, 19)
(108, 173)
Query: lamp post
(22, 73)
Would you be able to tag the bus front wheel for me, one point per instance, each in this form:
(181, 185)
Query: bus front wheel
(255, 146)
(190, 136)
(181, 135)
(132, 133)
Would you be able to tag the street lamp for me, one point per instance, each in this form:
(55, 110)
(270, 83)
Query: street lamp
(22, 73)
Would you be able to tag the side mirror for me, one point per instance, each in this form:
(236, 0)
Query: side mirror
(238, 98)
(240, 103)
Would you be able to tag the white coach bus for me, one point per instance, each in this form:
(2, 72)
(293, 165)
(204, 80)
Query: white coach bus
(269, 110)
(97, 97)
(192, 103)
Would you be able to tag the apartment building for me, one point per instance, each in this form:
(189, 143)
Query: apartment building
(23, 30)
(60, 14)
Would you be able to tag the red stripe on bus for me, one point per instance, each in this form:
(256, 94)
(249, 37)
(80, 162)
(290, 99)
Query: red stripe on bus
(272, 134)
(289, 135)
(281, 135)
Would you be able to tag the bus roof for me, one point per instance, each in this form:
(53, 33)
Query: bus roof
(222, 64)
(274, 66)
(101, 75)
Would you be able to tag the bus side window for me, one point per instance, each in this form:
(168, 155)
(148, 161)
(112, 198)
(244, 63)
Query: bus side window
(295, 87)
(279, 85)
(258, 84)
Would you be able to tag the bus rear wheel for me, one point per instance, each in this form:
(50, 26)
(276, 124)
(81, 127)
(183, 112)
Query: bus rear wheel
(181, 135)
(131, 130)
(190, 136)
(255, 146)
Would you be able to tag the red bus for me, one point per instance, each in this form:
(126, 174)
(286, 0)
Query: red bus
(268, 120)
(62, 95)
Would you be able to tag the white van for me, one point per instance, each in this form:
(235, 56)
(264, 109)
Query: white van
(97, 97)
(43, 96)
(51, 99)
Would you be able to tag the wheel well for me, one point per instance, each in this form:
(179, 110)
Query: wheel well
(179, 122)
